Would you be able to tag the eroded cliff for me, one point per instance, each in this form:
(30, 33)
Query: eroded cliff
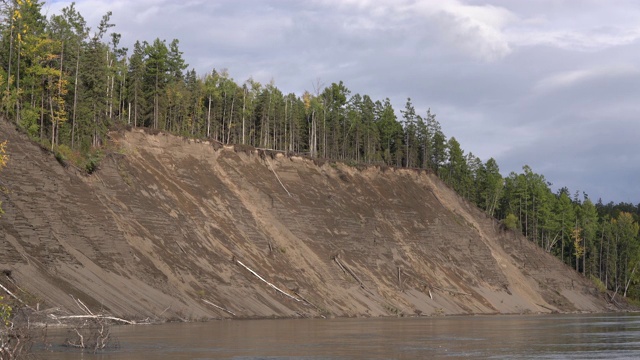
(167, 228)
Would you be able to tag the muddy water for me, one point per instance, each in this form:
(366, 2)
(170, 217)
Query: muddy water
(499, 337)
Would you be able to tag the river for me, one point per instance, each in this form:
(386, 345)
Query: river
(602, 336)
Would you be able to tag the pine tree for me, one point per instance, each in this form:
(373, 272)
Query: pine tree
(155, 79)
(135, 84)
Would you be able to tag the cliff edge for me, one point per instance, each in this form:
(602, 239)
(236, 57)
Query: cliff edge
(175, 228)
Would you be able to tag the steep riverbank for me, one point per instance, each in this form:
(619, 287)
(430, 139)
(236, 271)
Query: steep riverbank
(175, 228)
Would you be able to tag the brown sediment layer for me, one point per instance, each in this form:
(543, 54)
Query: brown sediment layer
(161, 228)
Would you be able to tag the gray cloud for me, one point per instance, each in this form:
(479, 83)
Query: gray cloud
(552, 84)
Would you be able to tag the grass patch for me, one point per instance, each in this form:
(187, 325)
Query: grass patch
(88, 162)
(599, 284)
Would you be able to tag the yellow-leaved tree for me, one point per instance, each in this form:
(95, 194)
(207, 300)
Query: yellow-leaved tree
(578, 246)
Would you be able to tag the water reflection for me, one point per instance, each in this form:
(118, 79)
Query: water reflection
(492, 337)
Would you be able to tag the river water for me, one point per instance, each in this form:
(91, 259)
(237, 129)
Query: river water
(608, 336)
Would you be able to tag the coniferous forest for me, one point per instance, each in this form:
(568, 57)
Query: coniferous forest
(67, 85)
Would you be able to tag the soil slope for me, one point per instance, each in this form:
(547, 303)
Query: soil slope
(169, 227)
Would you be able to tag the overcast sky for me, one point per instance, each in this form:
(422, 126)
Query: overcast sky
(553, 84)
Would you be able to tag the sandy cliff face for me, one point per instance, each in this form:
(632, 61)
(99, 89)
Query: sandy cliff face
(169, 227)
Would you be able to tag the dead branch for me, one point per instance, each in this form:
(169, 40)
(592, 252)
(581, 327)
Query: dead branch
(10, 293)
(164, 311)
(76, 344)
(95, 317)
(96, 338)
(268, 283)
(613, 297)
(219, 307)
(102, 339)
(546, 307)
(348, 270)
(82, 306)
(553, 242)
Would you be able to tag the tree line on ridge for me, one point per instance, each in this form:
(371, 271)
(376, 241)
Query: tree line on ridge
(66, 86)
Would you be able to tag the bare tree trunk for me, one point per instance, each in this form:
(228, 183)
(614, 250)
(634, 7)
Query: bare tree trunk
(209, 119)
(10, 57)
(135, 108)
(53, 122)
(224, 114)
(155, 103)
(606, 272)
(18, 84)
(42, 115)
(75, 101)
(233, 101)
(121, 103)
(244, 103)
(626, 287)
(584, 257)
(286, 103)
(600, 259)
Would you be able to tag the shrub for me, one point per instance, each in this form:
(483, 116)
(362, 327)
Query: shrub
(510, 222)
(5, 312)
(29, 122)
(93, 161)
(598, 283)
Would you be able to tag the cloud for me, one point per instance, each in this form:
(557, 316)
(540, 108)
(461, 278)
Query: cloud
(587, 40)
(476, 30)
(580, 77)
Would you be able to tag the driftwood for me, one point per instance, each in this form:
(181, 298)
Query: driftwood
(268, 283)
(95, 317)
(97, 338)
(12, 295)
(82, 306)
(348, 270)
(164, 311)
(219, 307)
(613, 297)
(546, 307)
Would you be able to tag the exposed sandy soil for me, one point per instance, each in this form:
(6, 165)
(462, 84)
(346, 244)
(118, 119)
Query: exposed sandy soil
(160, 231)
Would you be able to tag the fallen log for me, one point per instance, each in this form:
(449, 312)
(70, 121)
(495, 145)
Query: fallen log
(95, 317)
(219, 307)
(346, 268)
(546, 307)
(82, 306)
(268, 283)
(13, 296)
